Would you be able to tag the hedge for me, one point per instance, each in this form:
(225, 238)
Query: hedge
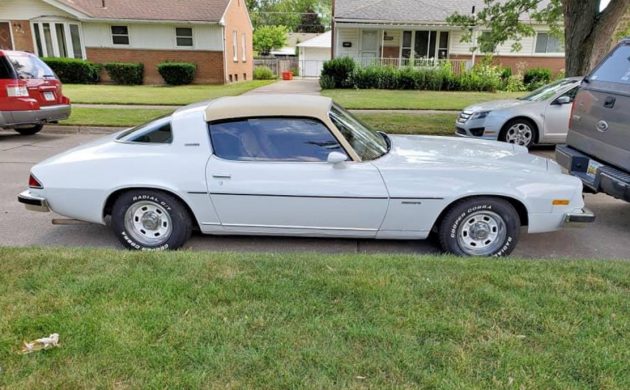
(74, 71)
(125, 73)
(263, 72)
(536, 77)
(177, 73)
(339, 69)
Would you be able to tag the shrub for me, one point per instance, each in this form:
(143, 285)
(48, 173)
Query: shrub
(326, 82)
(74, 71)
(340, 69)
(263, 73)
(177, 73)
(536, 77)
(515, 84)
(125, 73)
(295, 70)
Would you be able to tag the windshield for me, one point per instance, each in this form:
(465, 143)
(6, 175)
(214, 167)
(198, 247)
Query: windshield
(368, 144)
(30, 67)
(549, 90)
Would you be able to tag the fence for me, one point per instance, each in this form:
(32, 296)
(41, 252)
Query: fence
(302, 68)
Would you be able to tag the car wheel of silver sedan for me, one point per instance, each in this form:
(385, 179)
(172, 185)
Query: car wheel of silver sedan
(519, 131)
(480, 227)
(150, 220)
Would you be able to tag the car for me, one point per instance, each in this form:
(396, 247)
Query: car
(540, 117)
(292, 165)
(30, 93)
(598, 144)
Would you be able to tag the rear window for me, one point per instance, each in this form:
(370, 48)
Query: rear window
(6, 71)
(30, 67)
(615, 68)
(157, 131)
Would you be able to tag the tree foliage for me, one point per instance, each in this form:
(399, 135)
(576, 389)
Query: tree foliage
(588, 28)
(269, 37)
(311, 23)
(290, 13)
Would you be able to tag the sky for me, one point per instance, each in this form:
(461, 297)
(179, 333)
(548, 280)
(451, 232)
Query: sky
(604, 3)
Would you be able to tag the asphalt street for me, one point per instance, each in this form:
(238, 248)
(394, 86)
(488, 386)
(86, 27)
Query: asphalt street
(607, 238)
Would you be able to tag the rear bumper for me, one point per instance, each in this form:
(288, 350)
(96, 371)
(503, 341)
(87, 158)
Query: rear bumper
(33, 202)
(607, 179)
(34, 117)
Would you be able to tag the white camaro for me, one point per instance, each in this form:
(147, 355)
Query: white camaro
(303, 166)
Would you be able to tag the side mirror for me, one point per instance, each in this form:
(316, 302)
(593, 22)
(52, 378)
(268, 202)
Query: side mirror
(337, 158)
(562, 100)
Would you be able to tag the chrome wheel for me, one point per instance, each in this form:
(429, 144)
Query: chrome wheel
(482, 233)
(520, 134)
(148, 223)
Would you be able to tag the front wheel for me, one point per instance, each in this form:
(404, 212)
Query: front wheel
(519, 131)
(31, 130)
(480, 227)
(150, 220)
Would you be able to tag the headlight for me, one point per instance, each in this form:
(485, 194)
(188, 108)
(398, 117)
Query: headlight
(480, 115)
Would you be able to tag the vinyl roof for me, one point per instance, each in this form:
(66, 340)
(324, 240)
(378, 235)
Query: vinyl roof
(268, 105)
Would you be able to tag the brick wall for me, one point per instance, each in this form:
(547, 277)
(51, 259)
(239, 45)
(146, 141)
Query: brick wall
(237, 19)
(21, 30)
(556, 64)
(209, 63)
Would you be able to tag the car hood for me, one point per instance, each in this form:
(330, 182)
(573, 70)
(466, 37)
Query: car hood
(495, 105)
(462, 153)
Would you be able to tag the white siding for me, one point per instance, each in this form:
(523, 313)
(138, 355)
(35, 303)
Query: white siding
(528, 46)
(348, 35)
(27, 9)
(153, 36)
(397, 38)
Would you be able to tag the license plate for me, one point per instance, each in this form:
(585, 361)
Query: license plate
(592, 168)
(49, 96)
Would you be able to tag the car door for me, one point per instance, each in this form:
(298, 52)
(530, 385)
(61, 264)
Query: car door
(557, 116)
(271, 175)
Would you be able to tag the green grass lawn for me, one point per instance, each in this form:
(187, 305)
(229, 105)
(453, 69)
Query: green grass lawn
(401, 123)
(155, 94)
(217, 320)
(412, 100)
(395, 123)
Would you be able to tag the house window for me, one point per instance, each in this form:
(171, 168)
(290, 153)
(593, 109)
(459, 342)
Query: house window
(57, 40)
(120, 35)
(547, 43)
(420, 46)
(244, 47)
(235, 45)
(184, 36)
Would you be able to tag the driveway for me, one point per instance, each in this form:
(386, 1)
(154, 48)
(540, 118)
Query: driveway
(295, 86)
(607, 238)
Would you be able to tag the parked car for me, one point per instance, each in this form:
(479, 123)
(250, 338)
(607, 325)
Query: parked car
(598, 144)
(303, 166)
(541, 117)
(30, 93)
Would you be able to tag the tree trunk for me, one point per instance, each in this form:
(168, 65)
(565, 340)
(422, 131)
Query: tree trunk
(588, 32)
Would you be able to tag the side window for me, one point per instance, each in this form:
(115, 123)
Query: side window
(158, 131)
(273, 139)
(6, 71)
(615, 68)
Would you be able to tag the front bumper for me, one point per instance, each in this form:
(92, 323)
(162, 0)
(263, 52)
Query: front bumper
(33, 202)
(474, 128)
(45, 114)
(579, 216)
(607, 179)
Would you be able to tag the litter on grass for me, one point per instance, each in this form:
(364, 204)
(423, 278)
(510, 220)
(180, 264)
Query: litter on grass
(41, 344)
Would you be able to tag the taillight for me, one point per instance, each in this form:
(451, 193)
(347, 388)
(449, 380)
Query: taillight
(17, 91)
(34, 183)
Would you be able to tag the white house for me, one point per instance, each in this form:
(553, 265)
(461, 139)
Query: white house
(313, 54)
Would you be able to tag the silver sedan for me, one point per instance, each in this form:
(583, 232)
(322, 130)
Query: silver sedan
(541, 117)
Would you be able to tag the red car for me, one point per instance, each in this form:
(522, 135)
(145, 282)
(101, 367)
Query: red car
(30, 93)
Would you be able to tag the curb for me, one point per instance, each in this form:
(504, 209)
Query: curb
(81, 129)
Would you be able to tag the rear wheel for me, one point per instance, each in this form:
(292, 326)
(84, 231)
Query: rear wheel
(520, 131)
(29, 130)
(480, 227)
(150, 220)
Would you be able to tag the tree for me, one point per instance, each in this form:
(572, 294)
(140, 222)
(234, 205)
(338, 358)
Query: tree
(310, 23)
(269, 37)
(587, 28)
(288, 13)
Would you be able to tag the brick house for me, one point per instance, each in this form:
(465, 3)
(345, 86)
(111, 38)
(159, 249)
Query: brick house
(214, 34)
(415, 32)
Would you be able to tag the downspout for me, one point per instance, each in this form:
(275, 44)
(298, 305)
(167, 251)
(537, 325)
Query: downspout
(225, 78)
(333, 37)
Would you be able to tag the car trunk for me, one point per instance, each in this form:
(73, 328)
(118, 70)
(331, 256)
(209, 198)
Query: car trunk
(600, 125)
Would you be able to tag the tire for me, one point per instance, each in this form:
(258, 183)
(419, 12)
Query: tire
(520, 131)
(482, 226)
(150, 220)
(29, 130)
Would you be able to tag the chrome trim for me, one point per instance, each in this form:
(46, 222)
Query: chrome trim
(32, 202)
(579, 216)
(297, 227)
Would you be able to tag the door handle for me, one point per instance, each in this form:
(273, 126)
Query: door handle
(610, 102)
(222, 176)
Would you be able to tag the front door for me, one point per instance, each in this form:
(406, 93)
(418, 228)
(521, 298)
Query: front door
(6, 43)
(369, 46)
(557, 119)
(271, 175)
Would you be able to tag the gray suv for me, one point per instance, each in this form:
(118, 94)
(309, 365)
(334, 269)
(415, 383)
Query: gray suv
(598, 143)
